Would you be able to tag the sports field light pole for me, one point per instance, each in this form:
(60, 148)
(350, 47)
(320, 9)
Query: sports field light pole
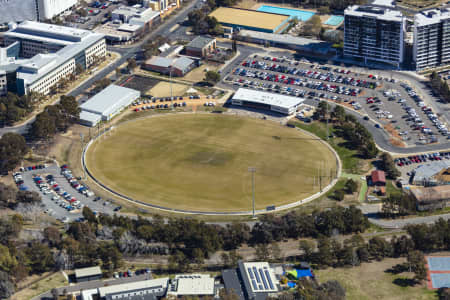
(253, 171)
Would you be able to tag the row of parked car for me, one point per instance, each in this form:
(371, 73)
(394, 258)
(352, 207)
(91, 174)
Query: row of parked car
(67, 173)
(48, 186)
(414, 159)
(159, 106)
(130, 273)
(324, 76)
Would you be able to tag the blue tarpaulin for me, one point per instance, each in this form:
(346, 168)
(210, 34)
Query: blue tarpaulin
(304, 273)
(291, 284)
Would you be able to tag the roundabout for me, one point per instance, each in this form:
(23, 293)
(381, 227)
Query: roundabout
(199, 163)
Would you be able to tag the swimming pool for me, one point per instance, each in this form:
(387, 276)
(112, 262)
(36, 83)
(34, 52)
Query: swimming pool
(302, 15)
(334, 20)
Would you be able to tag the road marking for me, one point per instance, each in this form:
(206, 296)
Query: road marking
(174, 27)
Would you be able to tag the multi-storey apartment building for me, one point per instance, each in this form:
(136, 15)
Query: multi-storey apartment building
(32, 10)
(50, 53)
(374, 33)
(431, 46)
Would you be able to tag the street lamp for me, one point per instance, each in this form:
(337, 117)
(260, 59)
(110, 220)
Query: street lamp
(253, 171)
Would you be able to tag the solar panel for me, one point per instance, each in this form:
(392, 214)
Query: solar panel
(250, 273)
(263, 278)
(261, 287)
(269, 279)
(255, 287)
(256, 274)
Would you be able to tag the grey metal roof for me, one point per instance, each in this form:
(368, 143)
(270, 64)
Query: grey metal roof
(90, 271)
(90, 117)
(160, 61)
(232, 282)
(182, 63)
(425, 172)
(17, 10)
(110, 99)
(200, 42)
(283, 101)
(282, 38)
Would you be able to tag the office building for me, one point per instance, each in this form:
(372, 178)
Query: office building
(106, 104)
(431, 46)
(41, 54)
(374, 33)
(188, 285)
(286, 105)
(33, 10)
(201, 46)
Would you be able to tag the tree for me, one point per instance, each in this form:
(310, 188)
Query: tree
(6, 286)
(53, 236)
(351, 186)
(12, 150)
(41, 259)
(339, 195)
(88, 214)
(388, 165)
(55, 293)
(307, 247)
(416, 264)
(131, 64)
(262, 252)
(7, 261)
(212, 77)
(312, 27)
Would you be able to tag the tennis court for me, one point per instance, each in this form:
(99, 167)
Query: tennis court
(440, 280)
(436, 263)
(334, 20)
(301, 15)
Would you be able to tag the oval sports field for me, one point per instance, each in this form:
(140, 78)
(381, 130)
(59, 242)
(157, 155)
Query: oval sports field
(199, 162)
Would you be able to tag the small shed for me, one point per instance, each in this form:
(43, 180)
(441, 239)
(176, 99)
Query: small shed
(88, 274)
(378, 178)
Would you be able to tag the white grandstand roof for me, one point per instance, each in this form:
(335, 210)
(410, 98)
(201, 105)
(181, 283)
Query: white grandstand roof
(267, 98)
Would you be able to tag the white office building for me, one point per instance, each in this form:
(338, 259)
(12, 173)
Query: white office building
(191, 285)
(32, 10)
(374, 33)
(286, 105)
(431, 46)
(106, 104)
(50, 53)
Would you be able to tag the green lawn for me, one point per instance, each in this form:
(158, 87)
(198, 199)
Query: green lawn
(350, 161)
(370, 281)
(200, 162)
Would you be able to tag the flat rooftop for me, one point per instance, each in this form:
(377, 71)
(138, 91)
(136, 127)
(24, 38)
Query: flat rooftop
(260, 276)
(374, 11)
(194, 284)
(431, 16)
(106, 100)
(248, 18)
(90, 271)
(160, 283)
(271, 99)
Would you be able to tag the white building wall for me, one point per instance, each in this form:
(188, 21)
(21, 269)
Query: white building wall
(50, 8)
(3, 85)
(45, 83)
(96, 50)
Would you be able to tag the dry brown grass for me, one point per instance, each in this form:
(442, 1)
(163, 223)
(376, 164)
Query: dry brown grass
(163, 88)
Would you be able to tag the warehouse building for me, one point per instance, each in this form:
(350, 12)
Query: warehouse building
(106, 104)
(431, 198)
(434, 173)
(374, 33)
(431, 46)
(48, 53)
(201, 46)
(286, 41)
(88, 274)
(168, 66)
(286, 105)
(238, 18)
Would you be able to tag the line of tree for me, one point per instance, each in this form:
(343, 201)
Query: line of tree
(55, 118)
(440, 86)
(388, 166)
(347, 126)
(10, 197)
(13, 107)
(398, 204)
(13, 148)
